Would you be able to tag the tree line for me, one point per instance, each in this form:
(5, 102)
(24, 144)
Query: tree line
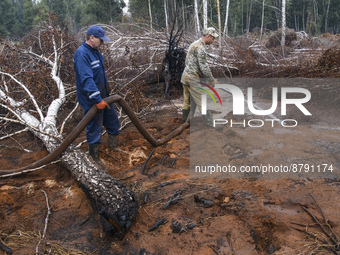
(242, 16)
(17, 17)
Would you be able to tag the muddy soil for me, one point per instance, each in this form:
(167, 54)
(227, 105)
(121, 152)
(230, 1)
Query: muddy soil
(248, 215)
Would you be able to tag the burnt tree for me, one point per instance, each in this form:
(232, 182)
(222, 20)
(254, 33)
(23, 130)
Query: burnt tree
(174, 62)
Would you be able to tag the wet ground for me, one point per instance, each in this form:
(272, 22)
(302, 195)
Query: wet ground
(248, 215)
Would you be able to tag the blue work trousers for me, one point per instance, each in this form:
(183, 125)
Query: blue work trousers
(107, 118)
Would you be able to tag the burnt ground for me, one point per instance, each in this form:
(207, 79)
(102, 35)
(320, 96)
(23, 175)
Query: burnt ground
(247, 215)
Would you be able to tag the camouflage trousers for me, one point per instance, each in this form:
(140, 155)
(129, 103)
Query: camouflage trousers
(195, 93)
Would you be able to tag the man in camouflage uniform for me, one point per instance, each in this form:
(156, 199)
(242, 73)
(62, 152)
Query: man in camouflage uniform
(197, 70)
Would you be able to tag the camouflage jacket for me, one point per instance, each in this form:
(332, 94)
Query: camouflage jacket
(196, 66)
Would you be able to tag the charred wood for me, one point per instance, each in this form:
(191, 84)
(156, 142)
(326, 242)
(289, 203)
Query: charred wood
(157, 224)
(187, 227)
(5, 249)
(173, 199)
(146, 161)
(116, 204)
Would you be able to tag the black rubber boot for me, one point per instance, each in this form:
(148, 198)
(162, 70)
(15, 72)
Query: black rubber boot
(94, 153)
(208, 119)
(185, 114)
(112, 141)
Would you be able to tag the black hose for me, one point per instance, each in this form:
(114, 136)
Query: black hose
(86, 120)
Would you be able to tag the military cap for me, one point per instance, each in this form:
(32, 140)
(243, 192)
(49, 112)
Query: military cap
(210, 31)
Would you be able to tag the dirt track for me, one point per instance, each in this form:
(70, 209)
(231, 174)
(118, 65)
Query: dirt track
(231, 216)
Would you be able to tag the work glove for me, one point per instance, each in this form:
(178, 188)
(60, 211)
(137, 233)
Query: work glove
(102, 105)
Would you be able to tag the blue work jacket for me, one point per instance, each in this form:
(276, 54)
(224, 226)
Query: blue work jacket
(91, 80)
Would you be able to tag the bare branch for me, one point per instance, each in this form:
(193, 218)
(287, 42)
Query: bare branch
(13, 134)
(22, 147)
(28, 93)
(55, 105)
(45, 228)
(66, 119)
(28, 170)
(12, 120)
(150, 65)
(29, 121)
(40, 57)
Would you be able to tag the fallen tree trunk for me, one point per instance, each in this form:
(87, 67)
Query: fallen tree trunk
(116, 204)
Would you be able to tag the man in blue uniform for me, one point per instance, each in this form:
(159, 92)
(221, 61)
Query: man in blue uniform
(92, 87)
